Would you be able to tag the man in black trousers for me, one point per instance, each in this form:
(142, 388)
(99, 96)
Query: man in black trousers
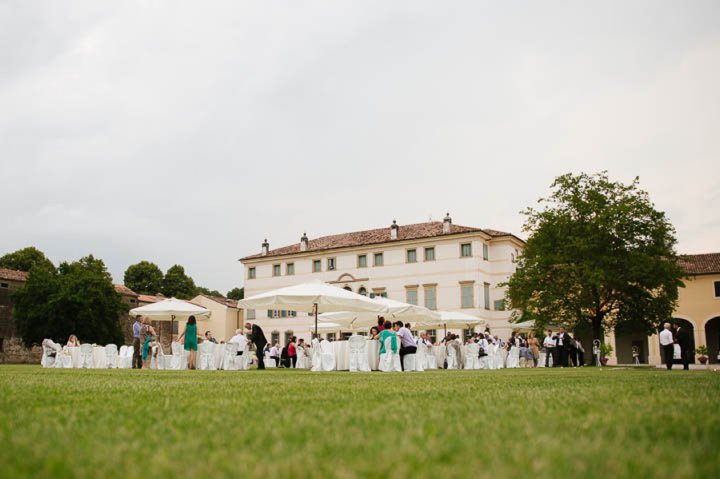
(683, 339)
(563, 346)
(257, 337)
(667, 341)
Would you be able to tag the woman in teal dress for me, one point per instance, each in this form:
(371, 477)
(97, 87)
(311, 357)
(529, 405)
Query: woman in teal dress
(191, 343)
(146, 351)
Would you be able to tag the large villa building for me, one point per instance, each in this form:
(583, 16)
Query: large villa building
(438, 264)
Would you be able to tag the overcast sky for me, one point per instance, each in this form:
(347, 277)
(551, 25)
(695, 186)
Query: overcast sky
(187, 132)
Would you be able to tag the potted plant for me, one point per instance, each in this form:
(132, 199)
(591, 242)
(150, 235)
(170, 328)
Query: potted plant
(605, 352)
(702, 350)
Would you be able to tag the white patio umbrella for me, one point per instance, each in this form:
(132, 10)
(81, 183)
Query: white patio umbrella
(316, 296)
(330, 328)
(171, 309)
(452, 319)
(395, 309)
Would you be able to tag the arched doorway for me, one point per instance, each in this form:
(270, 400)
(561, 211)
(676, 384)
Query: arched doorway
(712, 336)
(362, 291)
(628, 335)
(690, 328)
(347, 288)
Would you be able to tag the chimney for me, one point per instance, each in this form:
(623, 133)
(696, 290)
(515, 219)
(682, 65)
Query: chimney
(265, 247)
(447, 224)
(304, 242)
(394, 230)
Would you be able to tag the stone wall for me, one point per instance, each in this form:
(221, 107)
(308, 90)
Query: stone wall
(15, 352)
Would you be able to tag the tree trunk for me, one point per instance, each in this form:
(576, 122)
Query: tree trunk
(597, 329)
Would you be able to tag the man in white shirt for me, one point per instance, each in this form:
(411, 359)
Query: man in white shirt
(275, 354)
(241, 341)
(667, 343)
(549, 345)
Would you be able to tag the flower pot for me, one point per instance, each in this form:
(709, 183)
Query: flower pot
(604, 361)
(702, 359)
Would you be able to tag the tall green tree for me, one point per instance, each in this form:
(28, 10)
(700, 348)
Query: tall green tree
(208, 292)
(144, 278)
(598, 254)
(236, 293)
(177, 284)
(24, 259)
(76, 298)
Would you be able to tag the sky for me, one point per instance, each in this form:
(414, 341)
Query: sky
(187, 132)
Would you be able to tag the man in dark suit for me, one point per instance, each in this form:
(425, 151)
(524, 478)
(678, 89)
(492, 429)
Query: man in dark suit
(563, 345)
(682, 336)
(257, 337)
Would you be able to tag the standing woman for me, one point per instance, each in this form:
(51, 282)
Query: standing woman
(191, 343)
(534, 346)
(292, 352)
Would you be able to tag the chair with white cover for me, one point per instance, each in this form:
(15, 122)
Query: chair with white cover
(430, 360)
(513, 359)
(472, 361)
(420, 360)
(230, 363)
(177, 361)
(358, 353)
(452, 359)
(49, 354)
(164, 361)
(269, 361)
(301, 362)
(327, 356)
(410, 363)
(86, 355)
(206, 358)
(389, 360)
(316, 355)
(111, 351)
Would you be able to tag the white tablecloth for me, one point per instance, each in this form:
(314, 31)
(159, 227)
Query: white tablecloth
(99, 357)
(342, 354)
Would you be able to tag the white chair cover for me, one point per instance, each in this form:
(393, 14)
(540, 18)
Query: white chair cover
(410, 363)
(358, 353)
(452, 360)
(245, 359)
(316, 355)
(472, 361)
(513, 359)
(301, 362)
(269, 362)
(389, 361)
(49, 355)
(327, 355)
(231, 360)
(177, 361)
(430, 360)
(206, 358)
(86, 355)
(111, 351)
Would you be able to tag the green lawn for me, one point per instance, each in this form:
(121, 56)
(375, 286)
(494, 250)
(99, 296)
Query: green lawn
(580, 423)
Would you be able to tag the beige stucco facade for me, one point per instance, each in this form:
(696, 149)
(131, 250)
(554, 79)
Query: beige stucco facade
(224, 318)
(699, 306)
(396, 277)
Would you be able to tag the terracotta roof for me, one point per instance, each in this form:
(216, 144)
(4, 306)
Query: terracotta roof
(232, 303)
(376, 236)
(124, 290)
(13, 275)
(147, 298)
(700, 263)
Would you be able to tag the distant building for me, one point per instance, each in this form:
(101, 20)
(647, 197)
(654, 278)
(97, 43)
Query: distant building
(437, 264)
(225, 317)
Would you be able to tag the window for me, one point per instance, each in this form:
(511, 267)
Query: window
(466, 296)
(4, 285)
(486, 291)
(717, 289)
(378, 292)
(362, 291)
(362, 261)
(276, 270)
(290, 269)
(378, 259)
(433, 335)
(330, 336)
(288, 335)
(132, 301)
(251, 273)
(331, 264)
(317, 266)
(275, 337)
(466, 334)
(175, 327)
(430, 254)
(281, 313)
(250, 314)
(411, 296)
(466, 250)
(431, 297)
(499, 304)
(412, 256)
(486, 252)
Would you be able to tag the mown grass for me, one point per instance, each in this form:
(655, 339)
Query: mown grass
(583, 423)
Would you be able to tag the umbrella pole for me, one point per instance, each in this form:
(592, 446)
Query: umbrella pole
(315, 310)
